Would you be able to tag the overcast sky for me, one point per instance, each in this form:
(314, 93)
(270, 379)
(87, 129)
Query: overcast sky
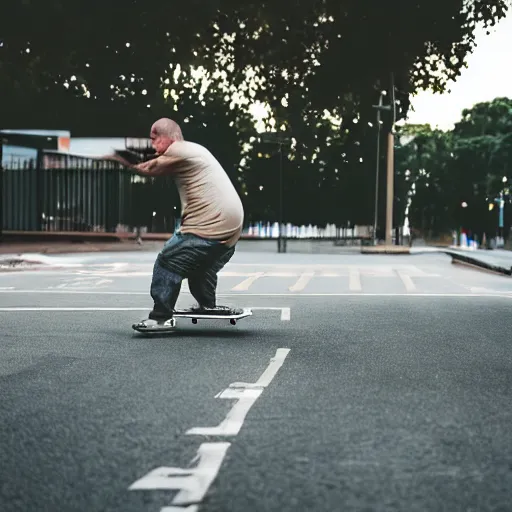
(488, 75)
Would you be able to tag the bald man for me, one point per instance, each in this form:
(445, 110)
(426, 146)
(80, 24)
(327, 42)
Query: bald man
(211, 225)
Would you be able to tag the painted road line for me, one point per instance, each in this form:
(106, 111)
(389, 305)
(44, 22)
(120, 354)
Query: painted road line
(116, 274)
(142, 273)
(227, 273)
(282, 274)
(103, 281)
(294, 295)
(231, 425)
(268, 375)
(246, 395)
(406, 280)
(398, 295)
(285, 312)
(354, 280)
(302, 282)
(15, 308)
(190, 508)
(476, 289)
(64, 291)
(246, 283)
(192, 483)
(83, 282)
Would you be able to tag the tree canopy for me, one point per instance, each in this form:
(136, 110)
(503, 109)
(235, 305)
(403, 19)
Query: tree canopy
(454, 179)
(315, 68)
(323, 54)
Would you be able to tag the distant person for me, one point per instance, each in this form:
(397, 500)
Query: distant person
(211, 223)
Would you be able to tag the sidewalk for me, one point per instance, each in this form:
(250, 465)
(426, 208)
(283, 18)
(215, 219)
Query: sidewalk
(62, 247)
(497, 260)
(29, 251)
(15, 243)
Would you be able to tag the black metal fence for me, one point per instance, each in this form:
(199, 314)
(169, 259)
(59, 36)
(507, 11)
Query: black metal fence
(57, 192)
(65, 193)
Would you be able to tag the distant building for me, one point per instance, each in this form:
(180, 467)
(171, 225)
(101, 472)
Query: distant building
(95, 147)
(20, 155)
(81, 147)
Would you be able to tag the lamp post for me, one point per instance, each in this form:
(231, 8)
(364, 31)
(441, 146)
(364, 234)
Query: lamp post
(501, 220)
(391, 167)
(281, 242)
(390, 162)
(379, 108)
(276, 138)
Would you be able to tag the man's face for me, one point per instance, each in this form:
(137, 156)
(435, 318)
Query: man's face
(160, 143)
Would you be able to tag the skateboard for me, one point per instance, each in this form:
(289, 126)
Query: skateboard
(188, 313)
(169, 325)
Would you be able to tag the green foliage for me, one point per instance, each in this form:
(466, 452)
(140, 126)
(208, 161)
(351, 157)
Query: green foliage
(467, 165)
(326, 54)
(101, 69)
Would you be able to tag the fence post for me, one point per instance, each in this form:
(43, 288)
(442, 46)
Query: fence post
(39, 190)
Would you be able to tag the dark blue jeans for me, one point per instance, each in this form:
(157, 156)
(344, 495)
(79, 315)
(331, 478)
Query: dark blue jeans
(186, 256)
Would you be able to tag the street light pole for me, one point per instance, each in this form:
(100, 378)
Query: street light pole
(391, 169)
(390, 190)
(501, 220)
(377, 166)
(281, 242)
(280, 140)
(390, 165)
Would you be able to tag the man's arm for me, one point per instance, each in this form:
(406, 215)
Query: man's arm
(160, 166)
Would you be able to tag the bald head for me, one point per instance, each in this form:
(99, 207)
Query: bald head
(163, 133)
(166, 127)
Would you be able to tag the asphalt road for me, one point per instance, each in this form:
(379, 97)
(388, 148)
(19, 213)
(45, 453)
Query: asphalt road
(362, 383)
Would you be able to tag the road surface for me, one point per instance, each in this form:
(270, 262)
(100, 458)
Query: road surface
(361, 383)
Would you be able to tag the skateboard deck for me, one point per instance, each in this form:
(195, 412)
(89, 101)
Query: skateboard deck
(169, 326)
(187, 313)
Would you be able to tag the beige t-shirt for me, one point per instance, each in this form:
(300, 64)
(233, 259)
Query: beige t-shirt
(210, 205)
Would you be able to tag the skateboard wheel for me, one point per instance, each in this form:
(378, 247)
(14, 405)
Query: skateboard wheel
(194, 320)
(232, 321)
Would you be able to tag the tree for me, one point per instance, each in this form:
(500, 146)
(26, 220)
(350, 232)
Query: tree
(108, 65)
(453, 177)
(483, 159)
(484, 135)
(118, 50)
(425, 183)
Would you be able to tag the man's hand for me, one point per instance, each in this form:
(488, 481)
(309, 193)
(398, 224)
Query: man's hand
(117, 158)
(129, 156)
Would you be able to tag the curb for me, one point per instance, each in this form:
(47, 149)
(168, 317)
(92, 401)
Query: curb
(18, 265)
(382, 249)
(33, 261)
(457, 257)
(469, 261)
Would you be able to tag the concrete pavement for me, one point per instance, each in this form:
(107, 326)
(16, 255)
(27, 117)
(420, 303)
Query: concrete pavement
(395, 393)
(497, 260)
(31, 255)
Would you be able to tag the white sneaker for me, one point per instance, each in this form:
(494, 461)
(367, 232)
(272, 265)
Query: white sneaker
(150, 325)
